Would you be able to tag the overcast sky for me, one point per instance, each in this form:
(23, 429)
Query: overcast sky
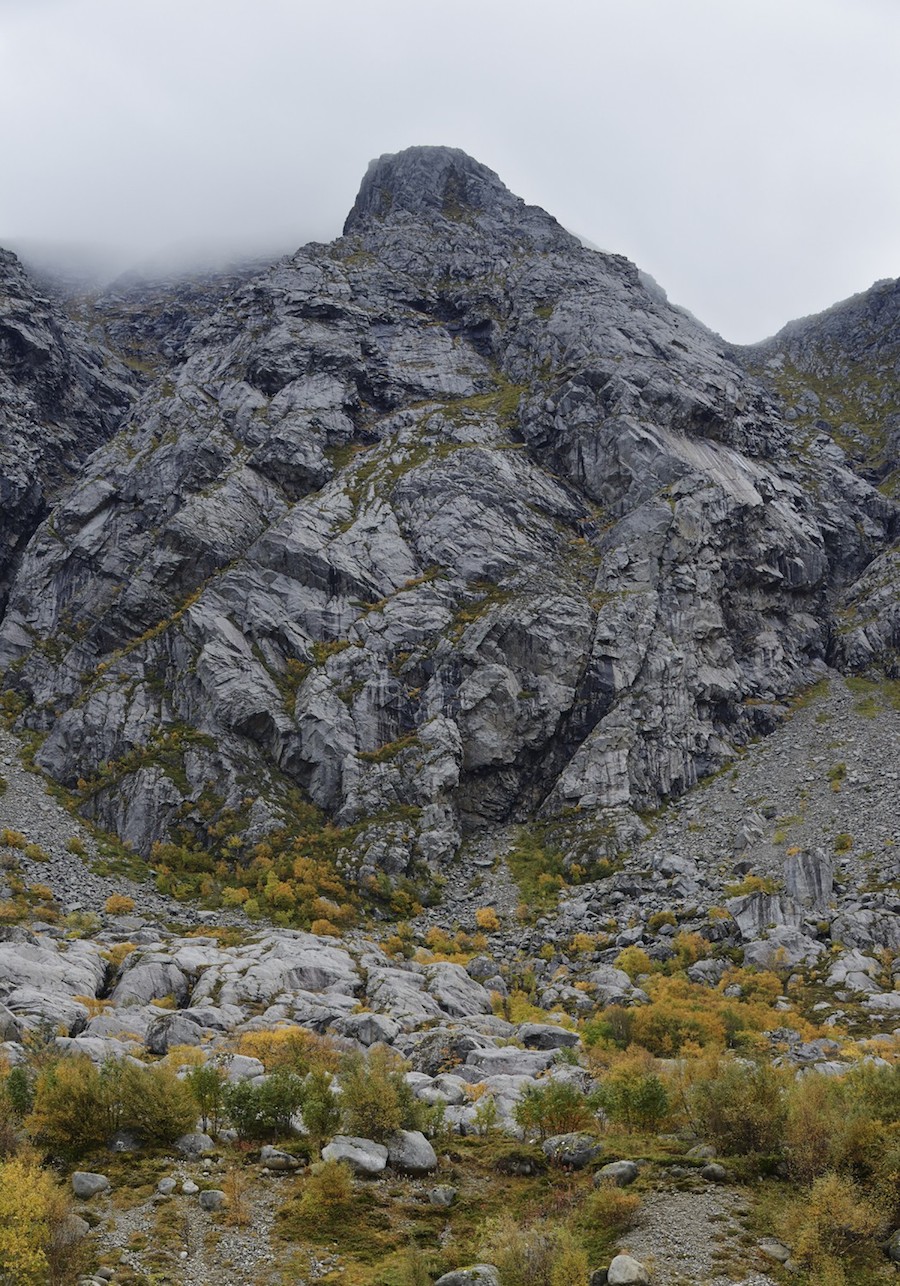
(744, 152)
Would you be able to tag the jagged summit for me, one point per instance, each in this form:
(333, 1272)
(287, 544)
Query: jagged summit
(428, 180)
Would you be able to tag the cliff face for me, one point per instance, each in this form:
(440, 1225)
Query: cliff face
(837, 377)
(450, 521)
(61, 396)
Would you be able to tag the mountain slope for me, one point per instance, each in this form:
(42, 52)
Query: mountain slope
(61, 396)
(838, 377)
(447, 522)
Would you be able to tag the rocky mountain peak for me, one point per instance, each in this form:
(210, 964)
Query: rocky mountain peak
(428, 181)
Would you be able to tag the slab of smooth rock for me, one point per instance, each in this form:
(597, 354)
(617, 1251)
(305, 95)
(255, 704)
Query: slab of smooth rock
(410, 1151)
(625, 1271)
(367, 1028)
(85, 1184)
(546, 1036)
(574, 1151)
(510, 1061)
(364, 1156)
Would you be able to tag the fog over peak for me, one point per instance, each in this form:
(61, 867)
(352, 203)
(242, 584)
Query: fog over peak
(735, 152)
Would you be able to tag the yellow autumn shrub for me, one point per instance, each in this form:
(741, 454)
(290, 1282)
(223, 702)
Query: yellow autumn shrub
(34, 1221)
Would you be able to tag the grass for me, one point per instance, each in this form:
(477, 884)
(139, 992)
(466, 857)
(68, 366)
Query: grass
(874, 696)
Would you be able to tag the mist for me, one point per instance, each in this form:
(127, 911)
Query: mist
(735, 152)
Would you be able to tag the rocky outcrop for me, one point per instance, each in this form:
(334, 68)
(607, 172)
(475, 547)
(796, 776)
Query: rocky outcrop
(61, 397)
(444, 523)
(836, 374)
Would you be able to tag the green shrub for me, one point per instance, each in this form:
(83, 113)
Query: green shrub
(321, 1108)
(553, 1108)
(207, 1085)
(327, 1195)
(375, 1097)
(77, 1106)
(826, 1226)
(742, 1108)
(156, 1105)
(633, 1095)
(540, 1253)
(263, 1111)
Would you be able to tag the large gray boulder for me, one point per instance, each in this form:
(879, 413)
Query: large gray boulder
(475, 1275)
(627, 1271)
(621, 1173)
(782, 948)
(364, 1156)
(86, 1184)
(410, 1151)
(572, 1151)
(547, 1036)
(368, 1028)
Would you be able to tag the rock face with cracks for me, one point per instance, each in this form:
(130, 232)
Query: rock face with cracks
(61, 396)
(446, 523)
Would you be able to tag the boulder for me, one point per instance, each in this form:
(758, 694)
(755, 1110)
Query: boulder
(893, 1246)
(546, 1036)
(212, 1199)
(442, 1196)
(809, 878)
(368, 1028)
(275, 1159)
(510, 1061)
(410, 1151)
(365, 1157)
(625, 1271)
(621, 1173)
(172, 1029)
(458, 994)
(572, 1151)
(714, 1173)
(243, 1068)
(475, 1275)
(772, 1248)
(194, 1145)
(85, 1184)
(783, 948)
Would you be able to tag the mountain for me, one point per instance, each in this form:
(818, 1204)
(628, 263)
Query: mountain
(449, 522)
(493, 677)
